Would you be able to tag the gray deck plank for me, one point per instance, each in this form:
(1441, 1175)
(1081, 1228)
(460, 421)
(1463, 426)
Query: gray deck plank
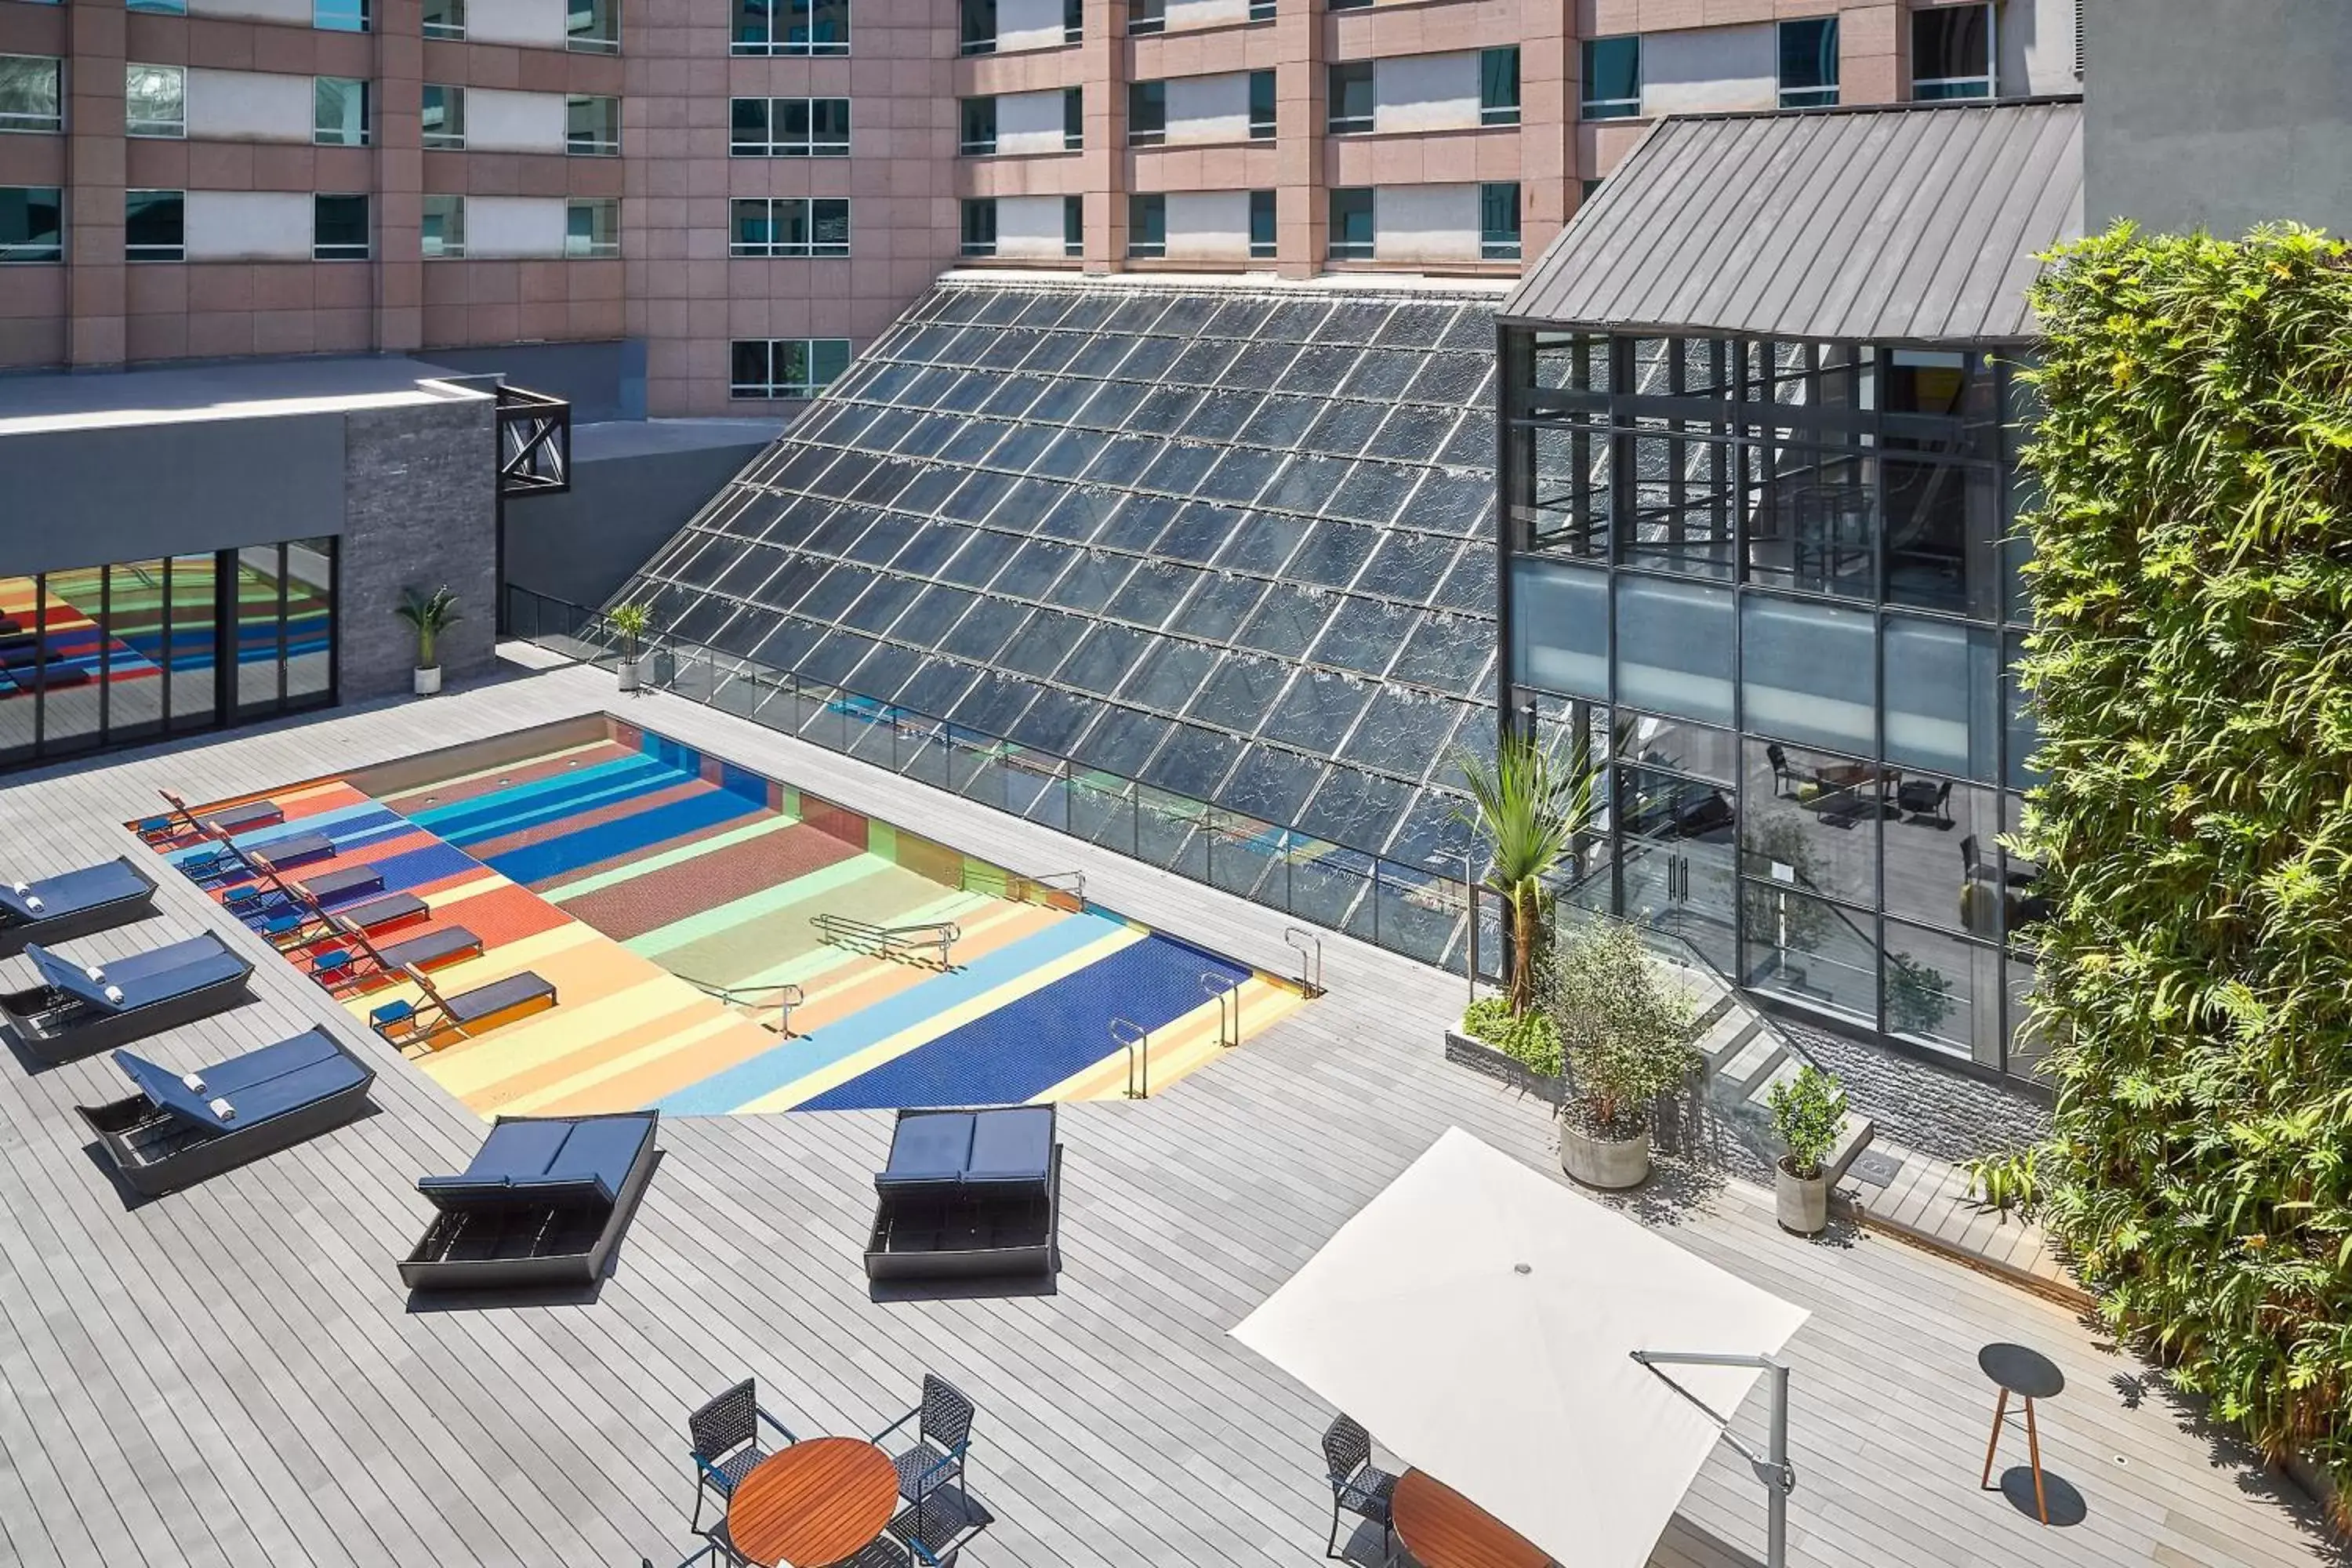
(1119, 1423)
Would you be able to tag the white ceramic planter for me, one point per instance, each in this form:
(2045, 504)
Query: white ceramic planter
(629, 674)
(429, 680)
(1801, 1204)
(1612, 1164)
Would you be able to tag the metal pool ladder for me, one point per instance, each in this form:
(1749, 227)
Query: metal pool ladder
(783, 997)
(900, 944)
(1136, 1042)
(1220, 989)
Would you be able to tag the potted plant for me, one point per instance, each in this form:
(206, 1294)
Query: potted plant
(431, 615)
(1626, 1035)
(1807, 1112)
(631, 621)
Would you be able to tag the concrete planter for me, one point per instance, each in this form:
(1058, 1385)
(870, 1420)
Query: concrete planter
(1801, 1204)
(629, 677)
(1612, 1164)
(429, 680)
(1485, 1060)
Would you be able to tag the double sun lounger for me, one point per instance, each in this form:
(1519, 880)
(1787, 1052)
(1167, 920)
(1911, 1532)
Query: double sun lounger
(80, 1008)
(969, 1194)
(543, 1203)
(180, 1129)
(74, 903)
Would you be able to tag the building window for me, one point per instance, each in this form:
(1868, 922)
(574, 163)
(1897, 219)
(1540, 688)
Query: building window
(1498, 86)
(792, 27)
(1349, 5)
(1809, 62)
(1147, 113)
(1146, 225)
(789, 127)
(155, 100)
(445, 117)
(1952, 52)
(1261, 10)
(1261, 225)
(591, 126)
(338, 228)
(1074, 225)
(786, 367)
(1351, 97)
(442, 229)
(338, 112)
(789, 226)
(32, 96)
(1586, 190)
(1074, 119)
(1261, 106)
(445, 18)
(1499, 221)
(32, 223)
(980, 226)
(339, 15)
(592, 227)
(1145, 16)
(159, 8)
(1352, 224)
(593, 26)
(1073, 21)
(975, 127)
(1612, 78)
(155, 226)
(976, 26)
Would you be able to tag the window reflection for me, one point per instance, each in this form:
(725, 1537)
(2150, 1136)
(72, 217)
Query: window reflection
(1812, 821)
(1808, 949)
(20, 645)
(1943, 989)
(135, 676)
(192, 638)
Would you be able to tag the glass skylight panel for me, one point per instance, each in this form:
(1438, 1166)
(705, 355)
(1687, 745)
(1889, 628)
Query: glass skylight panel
(1263, 544)
(1401, 731)
(1382, 375)
(1280, 421)
(1092, 578)
(1135, 312)
(1054, 351)
(1416, 326)
(834, 657)
(1193, 763)
(1238, 695)
(1150, 592)
(1441, 656)
(1259, 365)
(1320, 368)
(1103, 658)
(1343, 428)
(1219, 416)
(935, 610)
(1373, 492)
(984, 630)
(1149, 358)
(1408, 565)
(1271, 783)
(937, 684)
(1199, 364)
(1471, 585)
(1218, 606)
(1331, 556)
(1449, 379)
(1134, 523)
(1178, 470)
(1286, 621)
(836, 592)
(1121, 740)
(1054, 720)
(1357, 809)
(1112, 405)
(1306, 483)
(1363, 635)
(1353, 322)
(1240, 474)
(1163, 409)
(1412, 435)
(882, 603)
(1462, 503)
(1187, 316)
(1033, 568)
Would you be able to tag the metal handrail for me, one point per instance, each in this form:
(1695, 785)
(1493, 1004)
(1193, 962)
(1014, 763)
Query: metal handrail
(787, 997)
(1137, 1039)
(1220, 989)
(900, 943)
(1071, 882)
(1310, 960)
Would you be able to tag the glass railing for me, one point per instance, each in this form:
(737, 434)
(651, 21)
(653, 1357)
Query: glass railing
(1420, 912)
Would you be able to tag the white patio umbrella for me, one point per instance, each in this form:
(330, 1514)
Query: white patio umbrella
(1482, 1320)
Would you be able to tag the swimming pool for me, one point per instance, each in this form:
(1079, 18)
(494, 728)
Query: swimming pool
(709, 933)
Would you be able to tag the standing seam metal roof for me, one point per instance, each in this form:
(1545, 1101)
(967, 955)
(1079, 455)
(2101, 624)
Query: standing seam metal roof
(1908, 222)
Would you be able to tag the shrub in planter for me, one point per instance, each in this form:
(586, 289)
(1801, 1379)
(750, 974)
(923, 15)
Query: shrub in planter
(1626, 1036)
(1530, 1039)
(1807, 1112)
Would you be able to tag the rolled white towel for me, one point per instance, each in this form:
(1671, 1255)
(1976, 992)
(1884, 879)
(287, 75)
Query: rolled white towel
(196, 1083)
(224, 1109)
(94, 972)
(114, 992)
(24, 892)
(20, 888)
(33, 903)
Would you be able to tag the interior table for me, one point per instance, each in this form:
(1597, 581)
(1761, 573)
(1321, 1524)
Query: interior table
(814, 1503)
(1442, 1529)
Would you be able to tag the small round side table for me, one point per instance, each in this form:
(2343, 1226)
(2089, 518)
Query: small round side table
(2029, 1375)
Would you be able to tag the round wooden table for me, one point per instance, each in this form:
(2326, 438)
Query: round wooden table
(1442, 1529)
(814, 1503)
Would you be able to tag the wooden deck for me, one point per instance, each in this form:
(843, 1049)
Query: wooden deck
(233, 1376)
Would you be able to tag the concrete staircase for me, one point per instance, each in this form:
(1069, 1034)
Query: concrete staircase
(1745, 1054)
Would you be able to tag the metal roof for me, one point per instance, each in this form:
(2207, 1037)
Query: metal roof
(1911, 222)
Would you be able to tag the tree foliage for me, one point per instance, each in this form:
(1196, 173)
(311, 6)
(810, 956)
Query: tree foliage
(1624, 1030)
(2191, 673)
(1530, 808)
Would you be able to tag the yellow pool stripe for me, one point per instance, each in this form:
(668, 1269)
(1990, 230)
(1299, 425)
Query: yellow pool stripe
(835, 1074)
(539, 1041)
(582, 886)
(580, 1083)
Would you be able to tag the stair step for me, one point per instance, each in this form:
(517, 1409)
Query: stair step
(1785, 1071)
(1854, 1135)
(1758, 1057)
(1724, 1035)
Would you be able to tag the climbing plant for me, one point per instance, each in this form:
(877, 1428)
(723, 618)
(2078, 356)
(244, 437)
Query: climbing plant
(2191, 675)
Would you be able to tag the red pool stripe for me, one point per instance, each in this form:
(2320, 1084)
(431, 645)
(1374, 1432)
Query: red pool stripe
(649, 902)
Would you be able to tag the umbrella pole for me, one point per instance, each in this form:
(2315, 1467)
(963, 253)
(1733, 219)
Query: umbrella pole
(1772, 1467)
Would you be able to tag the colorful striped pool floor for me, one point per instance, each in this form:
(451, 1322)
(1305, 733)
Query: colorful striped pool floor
(670, 896)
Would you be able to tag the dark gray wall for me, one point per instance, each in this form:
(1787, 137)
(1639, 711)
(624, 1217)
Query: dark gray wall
(134, 492)
(419, 510)
(601, 381)
(2218, 113)
(581, 546)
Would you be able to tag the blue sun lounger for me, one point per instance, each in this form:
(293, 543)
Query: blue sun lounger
(542, 1202)
(228, 819)
(74, 903)
(181, 1129)
(81, 1008)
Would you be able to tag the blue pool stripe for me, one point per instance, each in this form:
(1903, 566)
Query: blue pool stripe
(540, 813)
(1034, 1042)
(521, 806)
(560, 856)
(415, 868)
(871, 1024)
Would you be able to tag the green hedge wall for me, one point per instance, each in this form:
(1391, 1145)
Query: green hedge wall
(2192, 674)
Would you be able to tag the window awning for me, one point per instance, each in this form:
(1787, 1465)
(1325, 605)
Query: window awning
(1906, 223)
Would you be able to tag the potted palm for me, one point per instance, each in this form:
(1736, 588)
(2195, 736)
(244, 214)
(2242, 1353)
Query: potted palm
(431, 615)
(631, 622)
(1626, 1036)
(1807, 1112)
(1530, 809)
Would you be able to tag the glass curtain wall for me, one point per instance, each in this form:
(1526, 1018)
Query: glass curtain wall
(111, 655)
(1775, 579)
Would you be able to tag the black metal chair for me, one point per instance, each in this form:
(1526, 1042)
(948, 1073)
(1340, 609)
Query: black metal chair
(1927, 797)
(1358, 1486)
(933, 1533)
(1786, 776)
(942, 1436)
(726, 1445)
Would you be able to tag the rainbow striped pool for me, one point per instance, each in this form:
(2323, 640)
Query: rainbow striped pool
(676, 902)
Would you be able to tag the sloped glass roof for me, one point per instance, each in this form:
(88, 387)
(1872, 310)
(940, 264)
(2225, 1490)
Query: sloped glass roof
(1236, 543)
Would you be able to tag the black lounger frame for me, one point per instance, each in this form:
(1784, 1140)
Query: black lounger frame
(27, 1013)
(526, 1245)
(133, 1131)
(81, 922)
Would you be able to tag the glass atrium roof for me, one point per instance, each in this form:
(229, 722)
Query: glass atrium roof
(1237, 544)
